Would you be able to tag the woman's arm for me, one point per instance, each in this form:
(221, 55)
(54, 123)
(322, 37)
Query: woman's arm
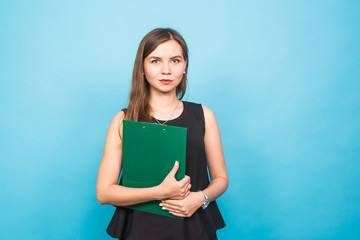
(217, 169)
(215, 157)
(109, 192)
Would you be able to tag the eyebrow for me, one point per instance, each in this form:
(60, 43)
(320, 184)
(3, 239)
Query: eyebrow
(177, 56)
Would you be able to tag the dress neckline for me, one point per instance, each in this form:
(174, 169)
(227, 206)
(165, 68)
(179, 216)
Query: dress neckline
(170, 120)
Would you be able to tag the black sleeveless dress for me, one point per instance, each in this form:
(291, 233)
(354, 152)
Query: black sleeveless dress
(202, 225)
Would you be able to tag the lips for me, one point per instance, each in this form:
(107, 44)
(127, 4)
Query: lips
(165, 81)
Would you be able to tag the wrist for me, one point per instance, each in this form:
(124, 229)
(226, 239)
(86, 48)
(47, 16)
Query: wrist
(206, 201)
(200, 199)
(157, 193)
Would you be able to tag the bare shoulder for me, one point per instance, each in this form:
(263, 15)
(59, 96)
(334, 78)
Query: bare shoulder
(208, 115)
(115, 129)
(117, 119)
(119, 116)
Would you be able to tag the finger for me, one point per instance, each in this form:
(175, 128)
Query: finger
(185, 180)
(186, 186)
(187, 190)
(177, 214)
(170, 205)
(171, 202)
(172, 208)
(176, 211)
(174, 169)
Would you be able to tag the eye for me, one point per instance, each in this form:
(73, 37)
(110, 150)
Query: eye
(155, 61)
(175, 60)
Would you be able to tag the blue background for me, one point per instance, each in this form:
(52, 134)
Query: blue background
(282, 78)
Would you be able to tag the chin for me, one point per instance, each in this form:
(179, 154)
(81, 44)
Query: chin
(165, 91)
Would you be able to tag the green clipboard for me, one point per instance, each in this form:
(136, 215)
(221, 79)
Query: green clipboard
(149, 153)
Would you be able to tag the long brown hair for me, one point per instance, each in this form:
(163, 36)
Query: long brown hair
(139, 107)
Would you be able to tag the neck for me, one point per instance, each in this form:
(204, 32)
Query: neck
(163, 101)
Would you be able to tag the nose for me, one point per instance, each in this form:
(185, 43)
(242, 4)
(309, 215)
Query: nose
(166, 68)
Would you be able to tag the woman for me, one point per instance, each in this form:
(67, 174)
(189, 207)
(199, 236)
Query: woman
(158, 84)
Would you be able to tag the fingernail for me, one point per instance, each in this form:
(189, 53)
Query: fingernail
(163, 208)
(160, 205)
(176, 162)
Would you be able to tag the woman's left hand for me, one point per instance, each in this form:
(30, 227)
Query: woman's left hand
(185, 207)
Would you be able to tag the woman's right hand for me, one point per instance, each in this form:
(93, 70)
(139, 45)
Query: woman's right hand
(171, 188)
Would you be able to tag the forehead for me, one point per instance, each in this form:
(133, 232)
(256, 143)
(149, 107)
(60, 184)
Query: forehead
(167, 49)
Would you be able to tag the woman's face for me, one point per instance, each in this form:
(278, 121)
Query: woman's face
(164, 67)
